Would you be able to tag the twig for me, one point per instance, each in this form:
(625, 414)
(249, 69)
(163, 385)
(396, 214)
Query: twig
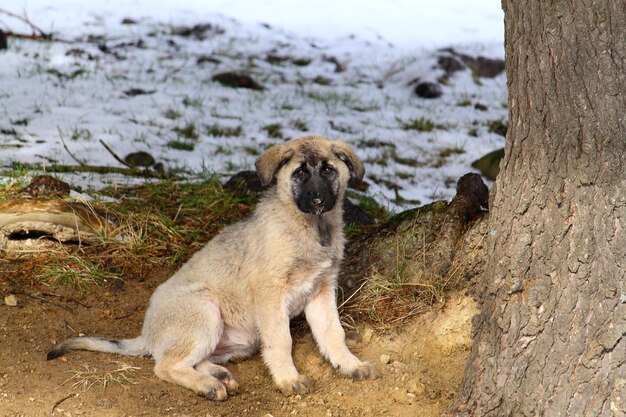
(117, 158)
(81, 163)
(24, 293)
(32, 37)
(25, 19)
(65, 298)
(58, 403)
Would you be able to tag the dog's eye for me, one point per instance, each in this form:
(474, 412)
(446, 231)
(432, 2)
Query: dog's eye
(328, 170)
(300, 174)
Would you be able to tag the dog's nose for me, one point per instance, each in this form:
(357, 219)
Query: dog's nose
(317, 201)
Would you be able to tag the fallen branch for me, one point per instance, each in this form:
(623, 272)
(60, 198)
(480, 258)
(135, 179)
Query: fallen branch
(81, 163)
(133, 172)
(117, 158)
(25, 19)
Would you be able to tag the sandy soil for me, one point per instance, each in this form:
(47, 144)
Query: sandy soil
(421, 363)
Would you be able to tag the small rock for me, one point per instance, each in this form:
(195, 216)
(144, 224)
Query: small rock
(489, 165)
(132, 92)
(427, 89)
(235, 80)
(353, 214)
(485, 67)
(10, 300)
(245, 183)
(367, 335)
(480, 66)
(414, 386)
(139, 159)
(199, 32)
(481, 107)
(385, 359)
(450, 64)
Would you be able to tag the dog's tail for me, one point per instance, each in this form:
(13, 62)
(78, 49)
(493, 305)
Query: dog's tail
(129, 347)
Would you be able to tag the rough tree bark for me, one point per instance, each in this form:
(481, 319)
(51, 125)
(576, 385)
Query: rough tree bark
(551, 336)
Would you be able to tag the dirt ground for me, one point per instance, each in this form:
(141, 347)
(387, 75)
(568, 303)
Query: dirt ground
(420, 364)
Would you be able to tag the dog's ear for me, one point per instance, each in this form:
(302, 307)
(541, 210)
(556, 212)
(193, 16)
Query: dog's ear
(345, 152)
(268, 164)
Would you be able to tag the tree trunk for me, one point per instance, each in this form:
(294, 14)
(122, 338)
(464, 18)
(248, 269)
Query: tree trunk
(551, 336)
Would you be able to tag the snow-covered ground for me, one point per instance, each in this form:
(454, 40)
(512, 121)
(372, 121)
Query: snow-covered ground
(75, 92)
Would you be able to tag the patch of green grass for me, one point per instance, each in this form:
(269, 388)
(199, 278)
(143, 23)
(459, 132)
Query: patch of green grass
(420, 124)
(301, 62)
(195, 102)
(365, 108)
(181, 145)
(498, 127)
(299, 124)
(76, 271)
(142, 138)
(187, 131)
(223, 150)
(216, 130)
(172, 114)
(382, 160)
(411, 162)
(404, 175)
(322, 80)
(233, 167)
(274, 130)
(370, 206)
(332, 99)
(473, 132)
(251, 150)
(451, 151)
(465, 103)
(80, 133)
(13, 179)
(67, 76)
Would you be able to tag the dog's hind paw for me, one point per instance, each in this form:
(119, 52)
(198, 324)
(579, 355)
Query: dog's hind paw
(226, 378)
(299, 386)
(218, 393)
(365, 371)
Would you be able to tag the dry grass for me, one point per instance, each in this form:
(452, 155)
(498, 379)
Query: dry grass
(404, 281)
(87, 377)
(157, 225)
(160, 225)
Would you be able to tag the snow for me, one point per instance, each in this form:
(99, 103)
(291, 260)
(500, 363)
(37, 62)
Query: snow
(70, 94)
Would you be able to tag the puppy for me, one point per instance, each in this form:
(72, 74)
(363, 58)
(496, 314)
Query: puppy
(238, 293)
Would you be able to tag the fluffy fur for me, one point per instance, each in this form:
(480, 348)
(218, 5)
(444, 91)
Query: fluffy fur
(238, 293)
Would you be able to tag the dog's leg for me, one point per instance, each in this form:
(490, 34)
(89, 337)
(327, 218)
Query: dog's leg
(209, 368)
(273, 323)
(323, 318)
(180, 350)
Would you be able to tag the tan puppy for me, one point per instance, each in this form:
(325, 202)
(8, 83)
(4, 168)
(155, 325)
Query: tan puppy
(237, 294)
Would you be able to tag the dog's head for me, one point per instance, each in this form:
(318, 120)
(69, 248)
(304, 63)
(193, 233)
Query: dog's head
(313, 170)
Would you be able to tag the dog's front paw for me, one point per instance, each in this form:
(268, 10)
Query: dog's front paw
(300, 385)
(364, 371)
